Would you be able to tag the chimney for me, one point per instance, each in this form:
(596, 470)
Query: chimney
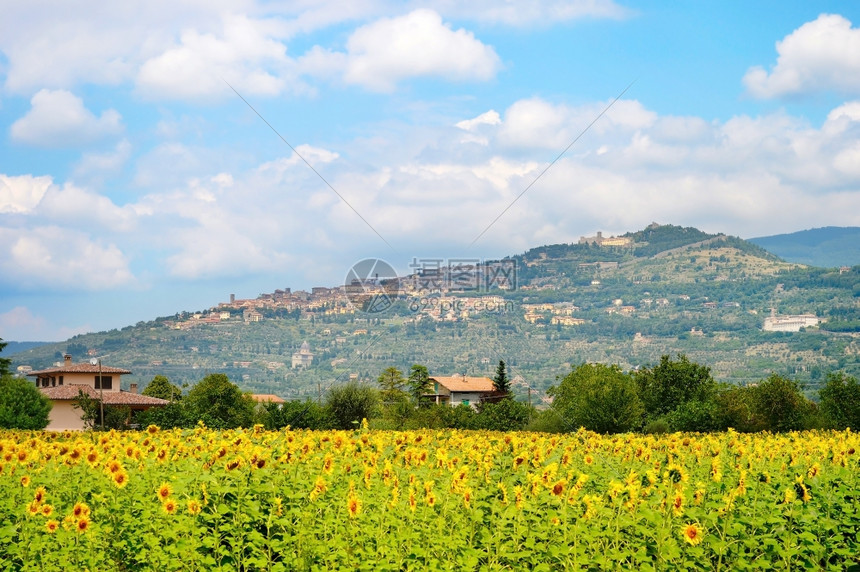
(133, 388)
(67, 359)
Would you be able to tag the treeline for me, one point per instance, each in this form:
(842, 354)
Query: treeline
(673, 395)
(680, 395)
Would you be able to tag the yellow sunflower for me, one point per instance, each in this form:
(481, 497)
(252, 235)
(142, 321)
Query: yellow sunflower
(692, 534)
(164, 491)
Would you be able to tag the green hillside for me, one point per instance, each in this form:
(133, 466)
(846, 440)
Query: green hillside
(668, 290)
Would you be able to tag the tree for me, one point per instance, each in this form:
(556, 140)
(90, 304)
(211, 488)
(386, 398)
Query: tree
(5, 363)
(392, 382)
(779, 404)
(501, 382)
(598, 397)
(161, 387)
(735, 409)
(219, 403)
(419, 381)
(174, 414)
(22, 405)
(90, 409)
(671, 383)
(840, 401)
(695, 416)
(352, 402)
(117, 416)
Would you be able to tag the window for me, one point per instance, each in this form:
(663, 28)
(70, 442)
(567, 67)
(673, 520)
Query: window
(61, 380)
(465, 402)
(106, 382)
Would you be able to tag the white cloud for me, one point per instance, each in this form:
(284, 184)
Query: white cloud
(22, 193)
(821, 55)
(68, 205)
(20, 324)
(56, 258)
(211, 250)
(71, 205)
(418, 44)
(61, 46)
(244, 53)
(536, 122)
(95, 166)
(490, 117)
(59, 119)
(181, 48)
(170, 164)
(223, 180)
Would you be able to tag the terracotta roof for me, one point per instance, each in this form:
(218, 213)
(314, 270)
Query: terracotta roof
(85, 367)
(70, 392)
(264, 397)
(465, 383)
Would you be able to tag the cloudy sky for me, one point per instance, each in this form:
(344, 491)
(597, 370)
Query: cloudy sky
(136, 182)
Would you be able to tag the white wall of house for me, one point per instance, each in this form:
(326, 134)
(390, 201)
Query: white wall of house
(64, 416)
(470, 398)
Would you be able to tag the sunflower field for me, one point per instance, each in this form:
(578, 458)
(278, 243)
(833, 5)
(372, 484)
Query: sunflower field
(427, 500)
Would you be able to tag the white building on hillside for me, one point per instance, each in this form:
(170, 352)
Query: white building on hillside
(790, 323)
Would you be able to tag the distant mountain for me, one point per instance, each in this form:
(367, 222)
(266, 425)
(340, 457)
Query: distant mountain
(828, 247)
(624, 299)
(17, 347)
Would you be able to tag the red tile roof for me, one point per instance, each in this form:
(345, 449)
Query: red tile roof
(465, 383)
(264, 397)
(85, 367)
(70, 392)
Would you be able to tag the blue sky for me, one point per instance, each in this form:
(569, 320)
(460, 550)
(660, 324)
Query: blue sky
(135, 183)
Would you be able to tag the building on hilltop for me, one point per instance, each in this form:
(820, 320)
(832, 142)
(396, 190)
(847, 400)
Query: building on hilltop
(303, 357)
(61, 384)
(601, 240)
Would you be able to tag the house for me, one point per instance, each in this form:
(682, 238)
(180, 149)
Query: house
(566, 320)
(790, 323)
(303, 357)
(62, 383)
(459, 389)
(266, 398)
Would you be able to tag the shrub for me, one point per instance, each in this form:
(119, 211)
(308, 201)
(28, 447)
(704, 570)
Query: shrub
(657, 427)
(503, 415)
(695, 416)
(546, 421)
(22, 405)
(295, 414)
(348, 404)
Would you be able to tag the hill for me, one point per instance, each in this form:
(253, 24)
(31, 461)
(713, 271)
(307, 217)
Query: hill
(829, 247)
(625, 300)
(17, 347)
